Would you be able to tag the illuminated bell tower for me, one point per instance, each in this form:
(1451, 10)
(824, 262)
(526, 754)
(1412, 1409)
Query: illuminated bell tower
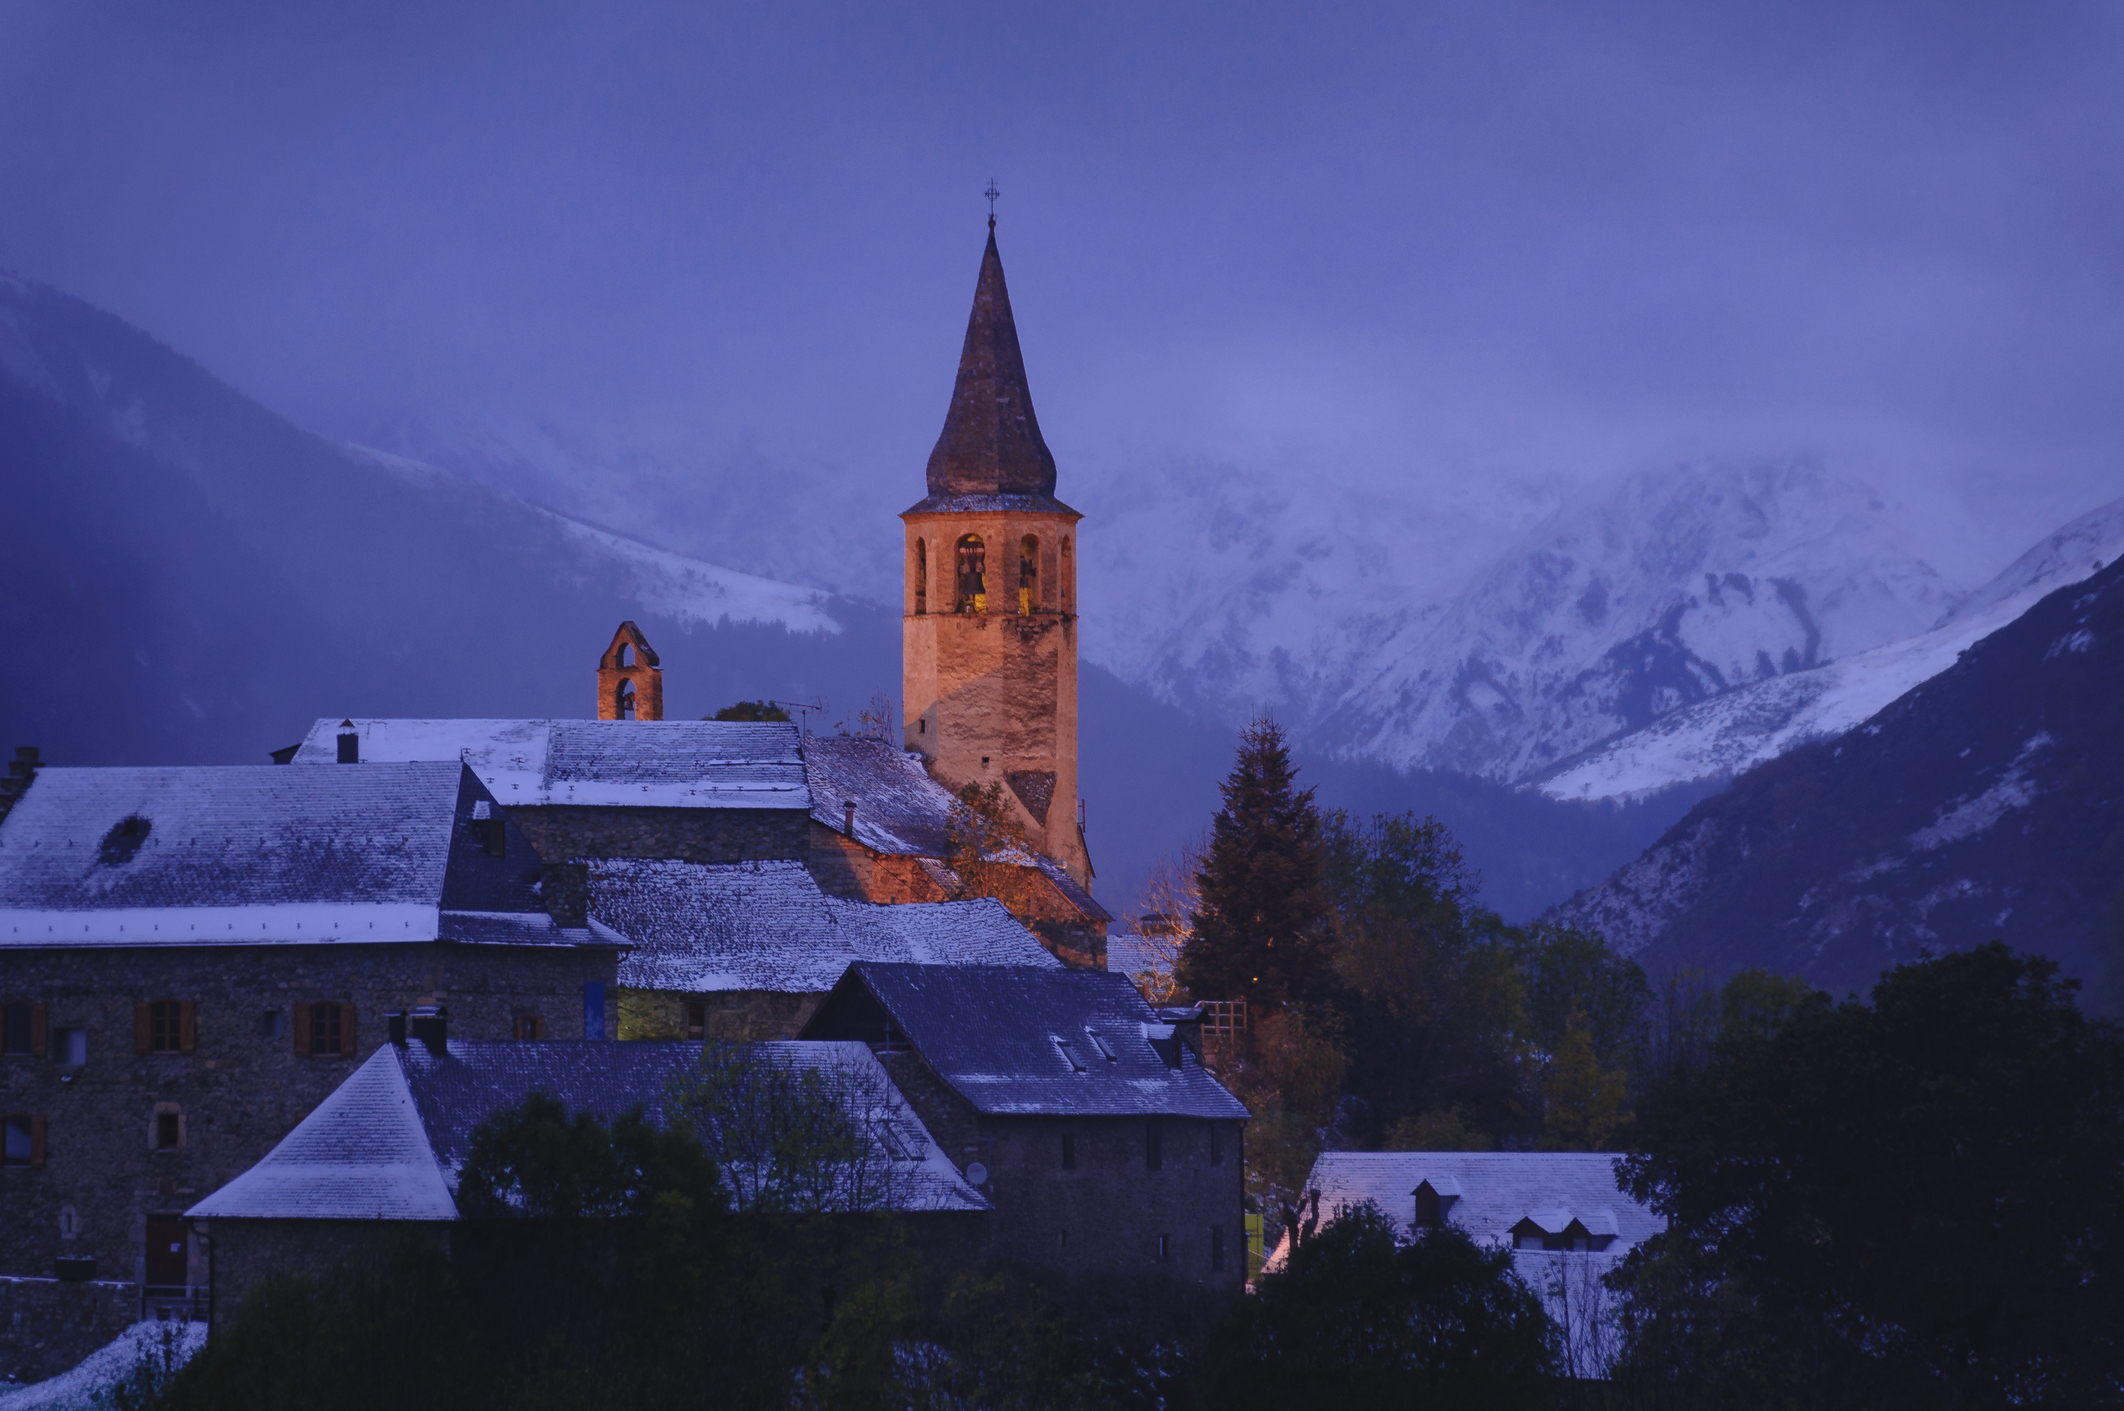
(989, 643)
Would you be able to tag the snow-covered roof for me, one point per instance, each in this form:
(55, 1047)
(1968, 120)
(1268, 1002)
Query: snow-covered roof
(1128, 953)
(1495, 1190)
(247, 855)
(701, 927)
(390, 1141)
(1022, 1040)
(900, 810)
(603, 763)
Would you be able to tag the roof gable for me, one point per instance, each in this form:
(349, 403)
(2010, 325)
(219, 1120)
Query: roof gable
(1021, 1040)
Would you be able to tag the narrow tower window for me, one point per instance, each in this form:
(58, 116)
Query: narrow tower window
(1028, 575)
(973, 575)
(623, 706)
(921, 576)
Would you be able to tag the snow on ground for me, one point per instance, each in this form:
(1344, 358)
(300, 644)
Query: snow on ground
(82, 1386)
(691, 590)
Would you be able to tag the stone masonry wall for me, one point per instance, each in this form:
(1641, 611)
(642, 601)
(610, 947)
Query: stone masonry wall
(238, 1092)
(732, 1016)
(563, 831)
(47, 1326)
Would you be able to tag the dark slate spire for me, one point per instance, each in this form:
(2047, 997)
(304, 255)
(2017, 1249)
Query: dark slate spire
(991, 443)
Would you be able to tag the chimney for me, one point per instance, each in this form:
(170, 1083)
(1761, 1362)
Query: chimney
(848, 811)
(1187, 1025)
(21, 771)
(430, 1023)
(349, 743)
(396, 1022)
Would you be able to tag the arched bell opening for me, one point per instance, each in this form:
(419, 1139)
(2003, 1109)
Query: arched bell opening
(973, 574)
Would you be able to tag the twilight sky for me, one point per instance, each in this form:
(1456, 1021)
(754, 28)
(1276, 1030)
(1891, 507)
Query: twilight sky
(1408, 242)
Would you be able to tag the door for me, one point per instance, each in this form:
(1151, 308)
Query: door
(168, 1260)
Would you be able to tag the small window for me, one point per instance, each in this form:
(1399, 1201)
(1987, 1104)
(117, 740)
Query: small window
(1064, 1240)
(272, 1024)
(166, 1026)
(973, 574)
(529, 1027)
(1069, 1151)
(493, 835)
(1217, 1247)
(169, 1131)
(921, 569)
(1154, 1147)
(21, 1141)
(327, 1028)
(18, 1022)
(1165, 1248)
(1069, 1055)
(697, 1020)
(70, 1047)
(1427, 1211)
(1028, 575)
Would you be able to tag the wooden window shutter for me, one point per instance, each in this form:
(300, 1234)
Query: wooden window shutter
(140, 1027)
(538, 1027)
(346, 1030)
(38, 1032)
(190, 1032)
(302, 1031)
(36, 1141)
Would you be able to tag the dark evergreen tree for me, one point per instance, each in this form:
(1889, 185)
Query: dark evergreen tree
(1260, 932)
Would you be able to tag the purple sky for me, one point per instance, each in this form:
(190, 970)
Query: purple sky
(1407, 238)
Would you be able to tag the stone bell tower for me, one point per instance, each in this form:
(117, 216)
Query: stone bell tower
(630, 683)
(989, 642)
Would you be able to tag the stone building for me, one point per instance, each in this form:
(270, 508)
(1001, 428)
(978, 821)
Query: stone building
(384, 1152)
(989, 654)
(630, 681)
(196, 957)
(1084, 1116)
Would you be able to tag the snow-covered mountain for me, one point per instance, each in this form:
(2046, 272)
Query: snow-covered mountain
(1732, 733)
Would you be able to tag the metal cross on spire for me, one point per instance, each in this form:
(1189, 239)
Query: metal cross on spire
(991, 193)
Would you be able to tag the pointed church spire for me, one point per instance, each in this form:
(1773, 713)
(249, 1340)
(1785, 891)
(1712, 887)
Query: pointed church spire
(991, 443)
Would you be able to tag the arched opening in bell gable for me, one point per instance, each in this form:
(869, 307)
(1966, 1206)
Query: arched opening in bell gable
(625, 657)
(623, 701)
(1028, 575)
(973, 574)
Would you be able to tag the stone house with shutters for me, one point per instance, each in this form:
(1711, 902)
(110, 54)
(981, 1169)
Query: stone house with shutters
(192, 958)
(1083, 1115)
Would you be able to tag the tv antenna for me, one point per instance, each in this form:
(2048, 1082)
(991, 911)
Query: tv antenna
(803, 710)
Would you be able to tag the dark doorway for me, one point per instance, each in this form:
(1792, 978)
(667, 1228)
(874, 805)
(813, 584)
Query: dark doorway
(168, 1261)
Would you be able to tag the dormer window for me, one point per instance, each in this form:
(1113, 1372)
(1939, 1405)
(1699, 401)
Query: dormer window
(1427, 1213)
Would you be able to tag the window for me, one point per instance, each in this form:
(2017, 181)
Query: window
(1216, 1246)
(1216, 1144)
(1028, 575)
(529, 1026)
(697, 1020)
(921, 571)
(272, 1024)
(324, 1029)
(20, 1019)
(1165, 1248)
(1069, 1151)
(1154, 1147)
(1064, 1241)
(70, 1047)
(163, 1026)
(1427, 1212)
(169, 1131)
(973, 574)
(25, 1141)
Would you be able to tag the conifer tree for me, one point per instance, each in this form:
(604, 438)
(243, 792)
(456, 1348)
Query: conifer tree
(1261, 927)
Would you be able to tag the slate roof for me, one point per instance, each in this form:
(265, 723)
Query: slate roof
(900, 810)
(263, 854)
(703, 927)
(1497, 1190)
(650, 763)
(1020, 1040)
(991, 442)
(390, 1142)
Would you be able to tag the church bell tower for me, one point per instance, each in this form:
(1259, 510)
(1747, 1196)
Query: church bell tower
(989, 642)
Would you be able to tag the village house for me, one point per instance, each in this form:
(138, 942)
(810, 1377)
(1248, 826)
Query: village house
(192, 958)
(1561, 1214)
(384, 1153)
(1083, 1115)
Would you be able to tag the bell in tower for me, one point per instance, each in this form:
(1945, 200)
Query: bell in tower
(989, 639)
